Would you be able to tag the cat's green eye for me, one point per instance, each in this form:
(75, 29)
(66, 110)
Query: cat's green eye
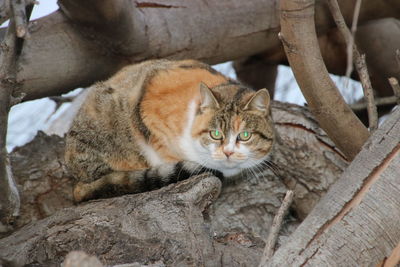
(244, 136)
(216, 135)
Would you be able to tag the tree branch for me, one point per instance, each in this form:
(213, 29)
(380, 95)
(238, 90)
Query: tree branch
(345, 227)
(349, 48)
(275, 228)
(20, 18)
(324, 99)
(111, 34)
(396, 88)
(381, 101)
(361, 65)
(10, 50)
(9, 197)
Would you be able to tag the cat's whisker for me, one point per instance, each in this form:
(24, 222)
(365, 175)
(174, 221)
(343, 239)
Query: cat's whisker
(271, 166)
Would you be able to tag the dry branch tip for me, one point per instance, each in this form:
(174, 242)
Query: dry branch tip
(275, 228)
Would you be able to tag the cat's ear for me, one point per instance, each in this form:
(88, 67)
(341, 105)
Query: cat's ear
(259, 102)
(208, 99)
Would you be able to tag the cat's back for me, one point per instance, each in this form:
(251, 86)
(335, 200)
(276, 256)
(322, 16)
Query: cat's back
(172, 82)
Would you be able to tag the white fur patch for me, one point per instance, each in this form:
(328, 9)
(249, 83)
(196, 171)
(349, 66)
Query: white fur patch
(194, 151)
(186, 142)
(150, 154)
(165, 170)
(231, 146)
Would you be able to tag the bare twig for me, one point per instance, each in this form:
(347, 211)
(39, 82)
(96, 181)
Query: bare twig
(382, 101)
(356, 14)
(22, 10)
(362, 70)
(20, 18)
(396, 88)
(59, 100)
(360, 64)
(275, 228)
(398, 57)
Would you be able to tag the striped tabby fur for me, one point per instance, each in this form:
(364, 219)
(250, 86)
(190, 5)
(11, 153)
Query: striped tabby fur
(160, 121)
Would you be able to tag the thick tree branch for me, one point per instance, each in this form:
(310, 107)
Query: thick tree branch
(9, 197)
(151, 31)
(324, 99)
(356, 222)
(11, 47)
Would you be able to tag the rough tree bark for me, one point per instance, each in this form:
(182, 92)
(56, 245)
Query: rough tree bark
(306, 160)
(173, 224)
(180, 29)
(357, 222)
(9, 197)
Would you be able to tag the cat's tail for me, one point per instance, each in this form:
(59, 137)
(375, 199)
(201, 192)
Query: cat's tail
(127, 182)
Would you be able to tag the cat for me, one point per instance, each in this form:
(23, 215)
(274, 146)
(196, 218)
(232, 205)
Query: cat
(160, 121)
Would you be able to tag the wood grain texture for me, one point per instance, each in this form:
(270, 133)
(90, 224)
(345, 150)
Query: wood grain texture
(356, 223)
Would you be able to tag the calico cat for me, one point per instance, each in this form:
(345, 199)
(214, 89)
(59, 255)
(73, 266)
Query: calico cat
(159, 122)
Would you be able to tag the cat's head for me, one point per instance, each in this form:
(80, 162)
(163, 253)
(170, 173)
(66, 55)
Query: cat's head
(232, 129)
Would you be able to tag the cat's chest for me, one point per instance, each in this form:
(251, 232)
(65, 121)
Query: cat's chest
(151, 155)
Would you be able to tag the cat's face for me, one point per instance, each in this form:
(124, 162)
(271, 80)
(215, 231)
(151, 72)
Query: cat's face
(233, 133)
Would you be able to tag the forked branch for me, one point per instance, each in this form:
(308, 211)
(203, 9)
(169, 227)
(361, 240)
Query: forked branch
(324, 99)
(360, 63)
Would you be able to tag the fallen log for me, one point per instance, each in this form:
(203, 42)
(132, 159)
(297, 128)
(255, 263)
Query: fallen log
(228, 230)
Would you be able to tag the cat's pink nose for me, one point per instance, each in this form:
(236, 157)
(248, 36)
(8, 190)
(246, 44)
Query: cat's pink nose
(228, 153)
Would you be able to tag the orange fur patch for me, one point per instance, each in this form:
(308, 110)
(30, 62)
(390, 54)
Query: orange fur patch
(237, 123)
(126, 164)
(166, 100)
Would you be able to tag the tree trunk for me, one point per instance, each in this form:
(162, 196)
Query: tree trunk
(159, 225)
(357, 222)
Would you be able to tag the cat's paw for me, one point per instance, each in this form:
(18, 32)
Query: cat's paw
(80, 192)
